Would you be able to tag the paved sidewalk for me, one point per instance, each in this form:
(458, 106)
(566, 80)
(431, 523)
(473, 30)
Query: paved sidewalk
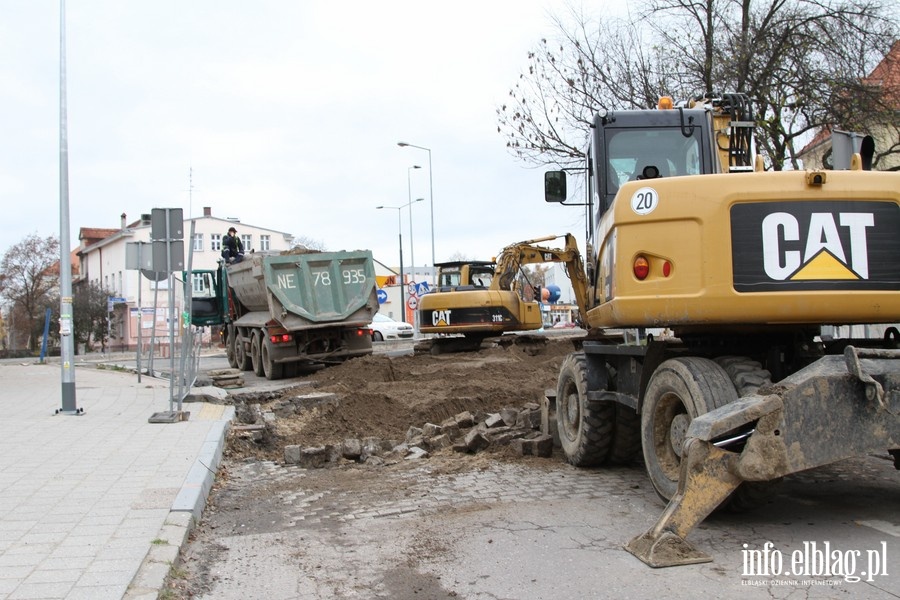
(97, 505)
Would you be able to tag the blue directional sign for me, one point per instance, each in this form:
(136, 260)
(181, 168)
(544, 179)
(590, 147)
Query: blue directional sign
(382, 296)
(111, 301)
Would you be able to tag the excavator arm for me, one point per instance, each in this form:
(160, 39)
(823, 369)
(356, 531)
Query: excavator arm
(515, 256)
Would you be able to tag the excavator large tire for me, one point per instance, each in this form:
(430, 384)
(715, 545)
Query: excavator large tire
(748, 376)
(679, 390)
(585, 429)
(626, 441)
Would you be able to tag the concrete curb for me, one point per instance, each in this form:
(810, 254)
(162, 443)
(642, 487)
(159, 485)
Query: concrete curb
(186, 511)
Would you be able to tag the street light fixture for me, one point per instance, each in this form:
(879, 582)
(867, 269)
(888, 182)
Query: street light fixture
(400, 238)
(430, 198)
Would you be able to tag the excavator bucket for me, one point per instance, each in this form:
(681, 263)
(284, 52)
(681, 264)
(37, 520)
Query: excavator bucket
(838, 407)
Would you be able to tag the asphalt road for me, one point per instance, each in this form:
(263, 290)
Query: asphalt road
(484, 528)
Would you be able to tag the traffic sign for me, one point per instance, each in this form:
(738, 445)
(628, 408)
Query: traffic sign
(411, 288)
(382, 296)
(412, 302)
(421, 288)
(112, 301)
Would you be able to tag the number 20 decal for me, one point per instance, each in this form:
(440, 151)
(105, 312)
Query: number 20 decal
(644, 201)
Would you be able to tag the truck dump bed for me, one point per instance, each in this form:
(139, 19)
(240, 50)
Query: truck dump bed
(301, 291)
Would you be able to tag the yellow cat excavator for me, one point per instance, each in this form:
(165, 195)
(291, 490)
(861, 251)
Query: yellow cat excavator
(747, 269)
(477, 299)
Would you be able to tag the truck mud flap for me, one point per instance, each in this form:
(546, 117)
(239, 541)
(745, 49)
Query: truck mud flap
(836, 408)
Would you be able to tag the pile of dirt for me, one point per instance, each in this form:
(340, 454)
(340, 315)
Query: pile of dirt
(381, 396)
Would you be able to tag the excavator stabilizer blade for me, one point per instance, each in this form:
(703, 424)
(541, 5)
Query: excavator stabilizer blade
(706, 480)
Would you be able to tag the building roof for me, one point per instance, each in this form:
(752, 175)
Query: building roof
(73, 259)
(92, 235)
(885, 75)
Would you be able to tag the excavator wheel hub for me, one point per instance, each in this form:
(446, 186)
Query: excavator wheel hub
(678, 431)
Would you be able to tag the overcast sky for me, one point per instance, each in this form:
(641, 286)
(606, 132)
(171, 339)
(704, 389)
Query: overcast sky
(282, 114)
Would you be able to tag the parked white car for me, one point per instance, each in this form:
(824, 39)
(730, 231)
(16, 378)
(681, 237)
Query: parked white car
(385, 328)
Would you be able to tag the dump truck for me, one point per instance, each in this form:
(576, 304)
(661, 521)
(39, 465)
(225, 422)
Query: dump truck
(479, 299)
(711, 287)
(282, 308)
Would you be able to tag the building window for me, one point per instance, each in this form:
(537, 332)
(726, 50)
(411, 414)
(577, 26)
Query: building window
(264, 242)
(198, 242)
(215, 241)
(198, 283)
(247, 240)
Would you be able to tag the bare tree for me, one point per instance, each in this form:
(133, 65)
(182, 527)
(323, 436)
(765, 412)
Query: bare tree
(30, 278)
(308, 243)
(803, 62)
(89, 308)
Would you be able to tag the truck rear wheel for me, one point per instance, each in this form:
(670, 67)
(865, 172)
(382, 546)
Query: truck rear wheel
(680, 390)
(241, 358)
(256, 354)
(272, 369)
(229, 346)
(585, 429)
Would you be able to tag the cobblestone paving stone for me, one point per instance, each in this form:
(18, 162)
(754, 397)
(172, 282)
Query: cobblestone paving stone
(427, 491)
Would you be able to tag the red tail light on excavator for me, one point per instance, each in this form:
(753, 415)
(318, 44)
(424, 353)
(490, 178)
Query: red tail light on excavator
(641, 267)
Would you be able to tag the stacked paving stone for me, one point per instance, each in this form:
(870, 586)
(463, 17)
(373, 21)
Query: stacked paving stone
(228, 379)
(466, 433)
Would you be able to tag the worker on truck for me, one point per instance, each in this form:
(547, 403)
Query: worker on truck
(232, 248)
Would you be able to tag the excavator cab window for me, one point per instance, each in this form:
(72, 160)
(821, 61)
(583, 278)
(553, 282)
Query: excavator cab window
(482, 278)
(450, 279)
(647, 153)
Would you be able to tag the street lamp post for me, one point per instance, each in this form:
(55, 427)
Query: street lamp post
(430, 199)
(66, 316)
(400, 237)
(412, 248)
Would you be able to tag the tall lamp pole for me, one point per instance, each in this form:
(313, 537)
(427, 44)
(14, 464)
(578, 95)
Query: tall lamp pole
(400, 237)
(430, 199)
(412, 248)
(66, 330)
